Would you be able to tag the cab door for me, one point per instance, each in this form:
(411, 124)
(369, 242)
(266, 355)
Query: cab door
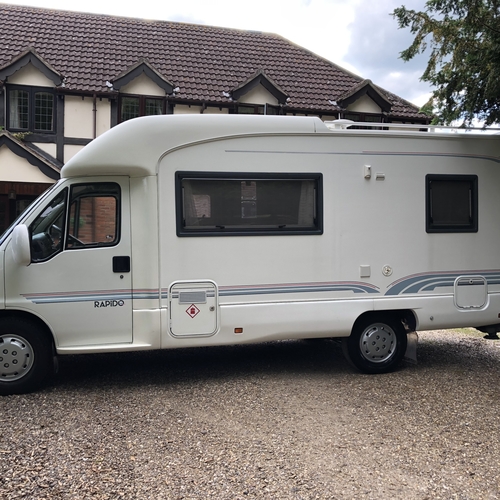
(79, 279)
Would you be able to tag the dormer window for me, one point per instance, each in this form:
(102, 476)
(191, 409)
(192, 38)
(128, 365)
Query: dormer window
(31, 109)
(258, 95)
(257, 109)
(134, 106)
(143, 91)
(364, 117)
(249, 109)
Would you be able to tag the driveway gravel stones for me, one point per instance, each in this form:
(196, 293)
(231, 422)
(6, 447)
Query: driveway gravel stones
(282, 420)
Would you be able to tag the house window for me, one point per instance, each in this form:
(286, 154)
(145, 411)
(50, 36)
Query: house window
(249, 109)
(363, 117)
(451, 204)
(134, 106)
(257, 109)
(239, 204)
(31, 109)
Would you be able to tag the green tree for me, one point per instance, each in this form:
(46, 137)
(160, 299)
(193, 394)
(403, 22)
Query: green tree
(463, 40)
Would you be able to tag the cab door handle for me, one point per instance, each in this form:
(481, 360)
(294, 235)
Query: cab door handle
(121, 264)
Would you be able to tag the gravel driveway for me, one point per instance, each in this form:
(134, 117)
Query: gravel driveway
(283, 420)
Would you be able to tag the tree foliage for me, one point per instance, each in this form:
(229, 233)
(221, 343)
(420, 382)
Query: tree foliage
(463, 40)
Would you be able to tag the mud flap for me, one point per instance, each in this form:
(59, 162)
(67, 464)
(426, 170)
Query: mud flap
(411, 348)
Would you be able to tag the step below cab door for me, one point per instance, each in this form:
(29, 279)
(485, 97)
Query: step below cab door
(193, 307)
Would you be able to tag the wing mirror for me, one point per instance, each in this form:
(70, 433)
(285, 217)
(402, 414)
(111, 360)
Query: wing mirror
(20, 243)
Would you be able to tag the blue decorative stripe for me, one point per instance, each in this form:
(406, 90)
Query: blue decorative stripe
(430, 281)
(87, 296)
(413, 284)
(354, 287)
(71, 297)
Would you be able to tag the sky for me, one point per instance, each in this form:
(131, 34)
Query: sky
(358, 35)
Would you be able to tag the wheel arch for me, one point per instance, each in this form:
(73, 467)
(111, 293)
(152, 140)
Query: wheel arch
(32, 318)
(28, 351)
(404, 316)
(378, 340)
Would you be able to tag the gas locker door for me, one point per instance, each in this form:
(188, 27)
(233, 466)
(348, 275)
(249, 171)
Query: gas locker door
(193, 307)
(79, 279)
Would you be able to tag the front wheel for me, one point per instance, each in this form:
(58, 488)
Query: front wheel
(376, 345)
(25, 356)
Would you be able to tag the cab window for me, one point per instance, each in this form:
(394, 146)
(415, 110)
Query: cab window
(93, 215)
(48, 228)
(92, 221)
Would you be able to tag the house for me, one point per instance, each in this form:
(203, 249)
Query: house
(67, 77)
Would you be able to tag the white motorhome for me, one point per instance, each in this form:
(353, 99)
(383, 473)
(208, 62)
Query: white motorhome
(180, 231)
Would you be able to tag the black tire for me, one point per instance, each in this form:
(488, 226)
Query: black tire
(376, 344)
(26, 357)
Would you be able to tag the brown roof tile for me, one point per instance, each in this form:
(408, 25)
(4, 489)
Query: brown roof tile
(204, 62)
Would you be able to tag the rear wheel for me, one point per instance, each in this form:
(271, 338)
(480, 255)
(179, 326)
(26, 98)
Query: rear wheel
(376, 344)
(25, 356)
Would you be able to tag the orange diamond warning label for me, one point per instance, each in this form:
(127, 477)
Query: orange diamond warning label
(192, 310)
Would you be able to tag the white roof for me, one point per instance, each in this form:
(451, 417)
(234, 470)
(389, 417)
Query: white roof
(135, 146)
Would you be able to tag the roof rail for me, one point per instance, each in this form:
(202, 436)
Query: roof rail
(346, 124)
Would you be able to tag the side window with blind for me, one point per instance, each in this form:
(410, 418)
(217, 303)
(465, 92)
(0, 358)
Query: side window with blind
(451, 203)
(248, 204)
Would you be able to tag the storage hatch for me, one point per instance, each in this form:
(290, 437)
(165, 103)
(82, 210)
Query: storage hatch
(471, 292)
(193, 307)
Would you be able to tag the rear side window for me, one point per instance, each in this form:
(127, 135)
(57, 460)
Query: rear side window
(451, 204)
(241, 204)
